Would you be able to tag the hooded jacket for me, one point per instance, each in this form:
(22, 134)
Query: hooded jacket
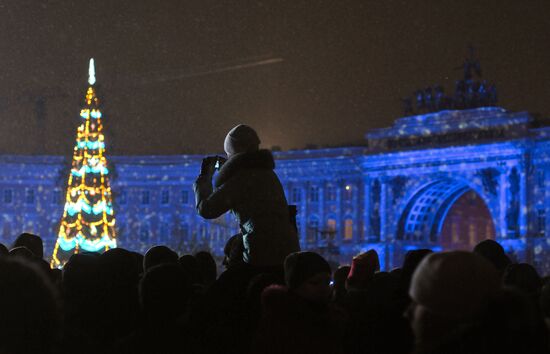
(248, 187)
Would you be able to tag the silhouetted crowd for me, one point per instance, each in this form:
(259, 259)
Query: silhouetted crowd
(125, 302)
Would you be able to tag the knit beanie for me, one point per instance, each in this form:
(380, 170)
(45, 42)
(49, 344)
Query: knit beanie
(454, 284)
(300, 266)
(363, 267)
(242, 138)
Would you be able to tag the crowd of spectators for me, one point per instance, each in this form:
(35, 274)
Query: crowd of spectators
(125, 302)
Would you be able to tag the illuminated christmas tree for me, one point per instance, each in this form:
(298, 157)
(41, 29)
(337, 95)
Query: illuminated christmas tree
(88, 222)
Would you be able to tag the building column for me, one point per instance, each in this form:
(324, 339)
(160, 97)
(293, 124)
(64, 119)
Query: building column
(545, 202)
(523, 207)
(386, 220)
(366, 210)
(339, 213)
(303, 211)
(502, 227)
(383, 210)
(321, 211)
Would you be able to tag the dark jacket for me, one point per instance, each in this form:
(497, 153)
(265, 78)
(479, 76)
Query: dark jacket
(248, 187)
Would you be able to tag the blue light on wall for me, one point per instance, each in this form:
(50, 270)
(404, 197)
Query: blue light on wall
(348, 199)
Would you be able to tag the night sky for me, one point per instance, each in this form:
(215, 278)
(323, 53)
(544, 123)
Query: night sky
(340, 69)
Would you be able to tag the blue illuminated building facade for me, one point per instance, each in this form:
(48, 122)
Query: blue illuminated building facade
(439, 180)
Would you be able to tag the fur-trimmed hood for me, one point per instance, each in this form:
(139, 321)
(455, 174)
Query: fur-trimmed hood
(261, 159)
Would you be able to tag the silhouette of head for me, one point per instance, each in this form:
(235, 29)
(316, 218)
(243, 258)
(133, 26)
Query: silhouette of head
(241, 138)
(449, 289)
(32, 242)
(411, 262)
(30, 317)
(164, 291)
(190, 266)
(494, 253)
(118, 281)
(362, 269)
(80, 273)
(117, 265)
(159, 255)
(207, 267)
(308, 275)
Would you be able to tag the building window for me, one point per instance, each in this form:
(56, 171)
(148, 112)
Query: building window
(296, 195)
(331, 228)
(145, 197)
(123, 198)
(348, 229)
(29, 196)
(314, 194)
(8, 196)
(541, 222)
(184, 197)
(331, 193)
(331, 224)
(312, 229)
(165, 197)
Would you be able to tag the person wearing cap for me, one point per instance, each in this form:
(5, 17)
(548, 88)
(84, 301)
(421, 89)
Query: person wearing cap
(494, 253)
(298, 317)
(307, 274)
(247, 186)
(449, 291)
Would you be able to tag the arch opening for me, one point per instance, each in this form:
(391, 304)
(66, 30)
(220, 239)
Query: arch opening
(446, 214)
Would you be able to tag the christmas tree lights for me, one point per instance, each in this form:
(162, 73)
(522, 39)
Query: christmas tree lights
(88, 222)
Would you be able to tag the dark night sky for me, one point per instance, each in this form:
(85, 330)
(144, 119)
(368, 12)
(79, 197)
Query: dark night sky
(345, 66)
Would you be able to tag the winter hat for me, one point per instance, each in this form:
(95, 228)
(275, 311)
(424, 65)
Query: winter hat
(300, 266)
(22, 252)
(363, 267)
(242, 138)
(454, 284)
(32, 242)
(494, 253)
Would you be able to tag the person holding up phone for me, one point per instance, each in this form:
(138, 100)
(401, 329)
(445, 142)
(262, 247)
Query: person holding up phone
(247, 186)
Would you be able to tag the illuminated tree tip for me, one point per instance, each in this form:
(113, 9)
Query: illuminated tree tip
(91, 72)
